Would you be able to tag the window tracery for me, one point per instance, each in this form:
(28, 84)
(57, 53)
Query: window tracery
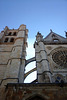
(58, 78)
(60, 58)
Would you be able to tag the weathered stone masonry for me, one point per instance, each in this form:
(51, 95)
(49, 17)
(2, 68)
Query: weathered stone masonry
(51, 66)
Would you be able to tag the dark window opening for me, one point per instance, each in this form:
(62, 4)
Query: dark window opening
(12, 40)
(59, 80)
(36, 98)
(14, 33)
(9, 33)
(6, 40)
(55, 40)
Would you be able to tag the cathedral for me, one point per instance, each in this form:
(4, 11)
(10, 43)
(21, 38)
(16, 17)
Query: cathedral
(51, 66)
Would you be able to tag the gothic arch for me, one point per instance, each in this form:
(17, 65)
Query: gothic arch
(37, 97)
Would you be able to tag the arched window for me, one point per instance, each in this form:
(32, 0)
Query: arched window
(14, 33)
(9, 33)
(6, 40)
(36, 97)
(12, 40)
(55, 40)
(58, 79)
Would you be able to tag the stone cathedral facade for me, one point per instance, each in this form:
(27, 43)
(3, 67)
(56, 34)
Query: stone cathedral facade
(51, 66)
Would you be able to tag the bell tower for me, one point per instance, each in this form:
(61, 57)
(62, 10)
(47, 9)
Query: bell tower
(13, 43)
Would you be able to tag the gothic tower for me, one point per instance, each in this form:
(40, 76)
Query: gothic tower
(13, 43)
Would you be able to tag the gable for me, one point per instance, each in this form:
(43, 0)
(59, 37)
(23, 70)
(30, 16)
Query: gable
(54, 38)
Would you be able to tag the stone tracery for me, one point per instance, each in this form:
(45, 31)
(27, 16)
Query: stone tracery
(60, 57)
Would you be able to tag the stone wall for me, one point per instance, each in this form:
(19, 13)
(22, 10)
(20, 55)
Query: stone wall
(31, 91)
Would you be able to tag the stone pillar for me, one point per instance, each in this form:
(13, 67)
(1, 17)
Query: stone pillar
(38, 64)
(43, 70)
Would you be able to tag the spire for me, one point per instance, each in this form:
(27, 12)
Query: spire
(39, 37)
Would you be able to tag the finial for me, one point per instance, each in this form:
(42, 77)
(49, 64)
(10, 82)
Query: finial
(38, 33)
(65, 34)
(51, 30)
(39, 37)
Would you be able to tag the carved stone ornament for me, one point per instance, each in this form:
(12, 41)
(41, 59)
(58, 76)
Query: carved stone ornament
(60, 58)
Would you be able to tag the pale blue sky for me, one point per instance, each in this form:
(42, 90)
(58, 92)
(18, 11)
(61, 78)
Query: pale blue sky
(37, 15)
